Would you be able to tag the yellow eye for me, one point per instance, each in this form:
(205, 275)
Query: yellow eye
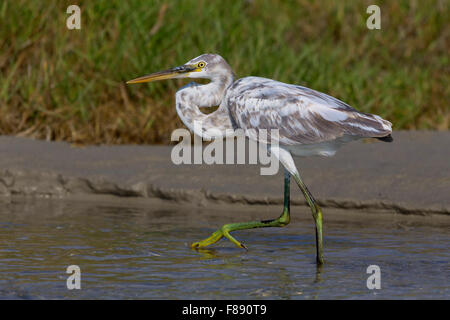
(201, 64)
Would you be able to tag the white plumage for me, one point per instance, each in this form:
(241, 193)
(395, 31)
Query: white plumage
(307, 122)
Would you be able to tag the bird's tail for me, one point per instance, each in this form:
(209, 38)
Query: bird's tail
(387, 138)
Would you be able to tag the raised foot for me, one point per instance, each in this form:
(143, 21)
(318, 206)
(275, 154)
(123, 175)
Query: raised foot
(216, 236)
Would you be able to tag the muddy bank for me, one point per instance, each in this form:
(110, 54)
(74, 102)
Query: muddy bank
(410, 175)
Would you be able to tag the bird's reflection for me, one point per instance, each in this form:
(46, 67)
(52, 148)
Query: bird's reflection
(319, 269)
(207, 253)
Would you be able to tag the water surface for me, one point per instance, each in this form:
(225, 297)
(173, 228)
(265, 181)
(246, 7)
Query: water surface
(133, 250)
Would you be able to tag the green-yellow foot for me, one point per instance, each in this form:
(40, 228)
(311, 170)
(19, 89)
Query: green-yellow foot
(226, 229)
(282, 221)
(216, 236)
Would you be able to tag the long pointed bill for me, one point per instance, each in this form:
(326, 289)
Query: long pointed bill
(178, 72)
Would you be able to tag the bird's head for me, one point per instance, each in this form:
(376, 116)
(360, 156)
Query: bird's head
(206, 66)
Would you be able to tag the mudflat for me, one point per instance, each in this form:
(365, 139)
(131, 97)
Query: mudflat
(409, 175)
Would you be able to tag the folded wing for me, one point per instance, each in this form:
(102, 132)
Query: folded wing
(302, 115)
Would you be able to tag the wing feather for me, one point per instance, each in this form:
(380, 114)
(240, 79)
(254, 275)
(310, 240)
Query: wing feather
(302, 115)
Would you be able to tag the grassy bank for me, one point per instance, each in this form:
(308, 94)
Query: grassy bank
(68, 85)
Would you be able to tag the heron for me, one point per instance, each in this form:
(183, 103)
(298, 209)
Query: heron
(309, 123)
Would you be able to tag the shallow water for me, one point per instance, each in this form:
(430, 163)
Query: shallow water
(127, 250)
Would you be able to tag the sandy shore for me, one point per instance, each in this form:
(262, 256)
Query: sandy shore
(410, 175)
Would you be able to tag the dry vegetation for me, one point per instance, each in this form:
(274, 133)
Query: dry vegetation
(58, 84)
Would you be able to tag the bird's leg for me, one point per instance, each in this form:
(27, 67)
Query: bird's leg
(282, 221)
(317, 215)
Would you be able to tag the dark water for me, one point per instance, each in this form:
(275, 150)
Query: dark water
(141, 251)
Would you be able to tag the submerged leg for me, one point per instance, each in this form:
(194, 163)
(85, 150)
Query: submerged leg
(317, 215)
(226, 229)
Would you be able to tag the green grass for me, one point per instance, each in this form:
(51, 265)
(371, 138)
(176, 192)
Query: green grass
(68, 85)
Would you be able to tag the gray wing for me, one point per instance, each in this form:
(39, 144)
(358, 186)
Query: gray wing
(302, 115)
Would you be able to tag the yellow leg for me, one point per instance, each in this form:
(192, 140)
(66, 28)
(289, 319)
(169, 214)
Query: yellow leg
(226, 229)
(317, 215)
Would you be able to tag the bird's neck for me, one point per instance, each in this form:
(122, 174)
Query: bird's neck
(194, 96)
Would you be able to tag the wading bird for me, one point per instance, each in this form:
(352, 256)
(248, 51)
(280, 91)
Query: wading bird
(308, 123)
